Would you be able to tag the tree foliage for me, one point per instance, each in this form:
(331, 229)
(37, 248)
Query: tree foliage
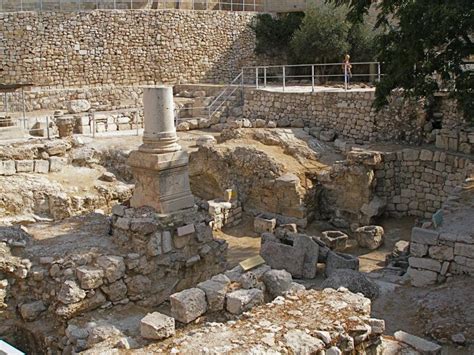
(424, 46)
(322, 37)
(273, 35)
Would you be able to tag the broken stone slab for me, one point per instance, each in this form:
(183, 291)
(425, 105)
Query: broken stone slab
(335, 240)
(354, 281)
(188, 305)
(311, 254)
(277, 282)
(263, 225)
(31, 311)
(78, 106)
(240, 301)
(215, 293)
(337, 260)
(370, 237)
(419, 344)
(157, 326)
(373, 209)
(421, 278)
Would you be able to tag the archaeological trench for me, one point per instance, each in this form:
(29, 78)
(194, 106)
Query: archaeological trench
(131, 221)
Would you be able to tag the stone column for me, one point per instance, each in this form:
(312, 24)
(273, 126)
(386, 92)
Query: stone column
(159, 165)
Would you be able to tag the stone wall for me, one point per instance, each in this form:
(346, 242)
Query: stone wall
(124, 47)
(417, 181)
(349, 114)
(445, 248)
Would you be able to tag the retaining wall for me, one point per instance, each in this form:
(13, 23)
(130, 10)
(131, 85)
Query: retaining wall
(124, 47)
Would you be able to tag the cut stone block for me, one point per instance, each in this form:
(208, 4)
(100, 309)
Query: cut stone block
(424, 236)
(188, 305)
(281, 256)
(340, 261)
(425, 263)
(370, 237)
(24, 166)
(421, 278)
(242, 300)
(335, 240)
(215, 294)
(262, 225)
(41, 166)
(277, 282)
(157, 326)
(89, 277)
(56, 164)
(7, 167)
(419, 344)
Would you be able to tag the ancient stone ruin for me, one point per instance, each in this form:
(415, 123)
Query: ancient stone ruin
(147, 205)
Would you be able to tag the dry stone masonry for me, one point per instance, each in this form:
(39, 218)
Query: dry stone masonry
(124, 47)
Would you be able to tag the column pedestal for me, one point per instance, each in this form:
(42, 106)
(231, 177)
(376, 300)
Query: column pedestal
(159, 165)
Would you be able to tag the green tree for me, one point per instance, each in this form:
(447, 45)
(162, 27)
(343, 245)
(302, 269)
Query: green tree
(322, 37)
(424, 47)
(273, 34)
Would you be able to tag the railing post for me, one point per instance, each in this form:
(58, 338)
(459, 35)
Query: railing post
(378, 71)
(284, 78)
(256, 77)
(23, 106)
(21, 5)
(231, 5)
(264, 77)
(93, 125)
(131, 4)
(312, 78)
(345, 77)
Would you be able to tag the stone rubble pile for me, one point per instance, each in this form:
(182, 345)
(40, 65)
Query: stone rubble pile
(301, 322)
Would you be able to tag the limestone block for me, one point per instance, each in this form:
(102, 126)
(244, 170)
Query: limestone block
(242, 300)
(424, 236)
(166, 242)
(354, 281)
(157, 326)
(277, 282)
(419, 344)
(262, 225)
(281, 256)
(335, 240)
(464, 250)
(205, 140)
(31, 311)
(24, 166)
(340, 261)
(441, 252)
(7, 167)
(89, 277)
(417, 249)
(70, 292)
(421, 278)
(77, 106)
(215, 293)
(113, 266)
(41, 166)
(370, 237)
(154, 245)
(56, 164)
(425, 263)
(116, 291)
(311, 254)
(188, 305)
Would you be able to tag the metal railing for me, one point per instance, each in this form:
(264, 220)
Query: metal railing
(88, 5)
(311, 75)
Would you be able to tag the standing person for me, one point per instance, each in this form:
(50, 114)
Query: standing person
(347, 67)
